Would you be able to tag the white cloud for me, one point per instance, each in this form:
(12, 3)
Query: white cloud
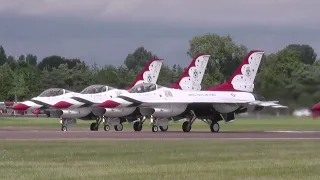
(203, 12)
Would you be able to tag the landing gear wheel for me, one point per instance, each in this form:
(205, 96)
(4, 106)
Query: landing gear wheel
(164, 128)
(137, 126)
(118, 127)
(106, 127)
(214, 127)
(64, 128)
(93, 127)
(186, 126)
(155, 128)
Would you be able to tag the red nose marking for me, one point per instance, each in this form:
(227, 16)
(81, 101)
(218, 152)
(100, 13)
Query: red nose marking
(62, 104)
(20, 107)
(109, 104)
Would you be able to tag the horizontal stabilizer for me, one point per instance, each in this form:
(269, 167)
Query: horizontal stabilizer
(273, 104)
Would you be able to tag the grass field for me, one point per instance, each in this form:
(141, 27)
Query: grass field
(183, 159)
(238, 125)
(160, 159)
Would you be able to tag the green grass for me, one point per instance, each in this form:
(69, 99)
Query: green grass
(289, 123)
(183, 159)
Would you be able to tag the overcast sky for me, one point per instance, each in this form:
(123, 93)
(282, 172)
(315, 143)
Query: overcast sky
(105, 31)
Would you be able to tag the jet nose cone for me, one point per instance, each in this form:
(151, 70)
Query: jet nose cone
(316, 107)
(62, 104)
(20, 107)
(109, 104)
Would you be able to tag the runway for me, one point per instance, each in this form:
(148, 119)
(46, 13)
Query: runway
(51, 134)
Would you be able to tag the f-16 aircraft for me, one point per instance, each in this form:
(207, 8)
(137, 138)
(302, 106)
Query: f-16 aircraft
(43, 103)
(189, 80)
(211, 106)
(45, 100)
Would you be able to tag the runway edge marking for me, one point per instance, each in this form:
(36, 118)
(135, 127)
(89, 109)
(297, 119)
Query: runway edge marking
(130, 139)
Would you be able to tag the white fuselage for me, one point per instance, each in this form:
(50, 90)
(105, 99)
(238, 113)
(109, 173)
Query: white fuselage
(38, 102)
(171, 102)
(77, 111)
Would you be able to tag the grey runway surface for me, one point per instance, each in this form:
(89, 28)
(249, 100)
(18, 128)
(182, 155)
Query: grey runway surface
(11, 133)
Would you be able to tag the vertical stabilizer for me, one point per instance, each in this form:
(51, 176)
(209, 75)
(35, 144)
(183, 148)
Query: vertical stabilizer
(243, 78)
(149, 74)
(192, 77)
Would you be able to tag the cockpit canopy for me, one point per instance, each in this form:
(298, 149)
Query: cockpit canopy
(53, 92)
(94, 89)
(144, 87)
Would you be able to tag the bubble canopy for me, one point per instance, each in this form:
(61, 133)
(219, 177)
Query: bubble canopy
(53, 92)
(94, 89)
(144, 87)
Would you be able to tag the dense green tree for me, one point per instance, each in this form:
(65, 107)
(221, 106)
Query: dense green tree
(279, 68)
(304, 85)
(166, 76)
(19, 87)
(177, 70)
(139, 58)
(108, 75)
(6, 76)
(307, 53)
(3, 56)
(21, 59)
(276, 75)
(51, 62)
(12, 62)
(125, 77)
(32, 59)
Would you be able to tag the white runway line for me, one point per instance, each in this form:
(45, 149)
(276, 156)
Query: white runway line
(294, 131)
(126, 139)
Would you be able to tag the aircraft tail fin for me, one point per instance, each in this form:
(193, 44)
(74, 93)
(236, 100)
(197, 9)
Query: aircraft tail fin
(243, 77)
(192, 77)
(149, 73)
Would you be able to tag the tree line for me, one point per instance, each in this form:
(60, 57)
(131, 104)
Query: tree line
(291, 75)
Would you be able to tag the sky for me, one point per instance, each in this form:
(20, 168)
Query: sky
(106, 31)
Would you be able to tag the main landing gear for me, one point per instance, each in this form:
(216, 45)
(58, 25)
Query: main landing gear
(118, 127)
(187, 125)
(64, 128)
(137, 126)
(214, 125)
(157, 123)
(95, 125)
(65, 122)
(155, 128)
(107, 123)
